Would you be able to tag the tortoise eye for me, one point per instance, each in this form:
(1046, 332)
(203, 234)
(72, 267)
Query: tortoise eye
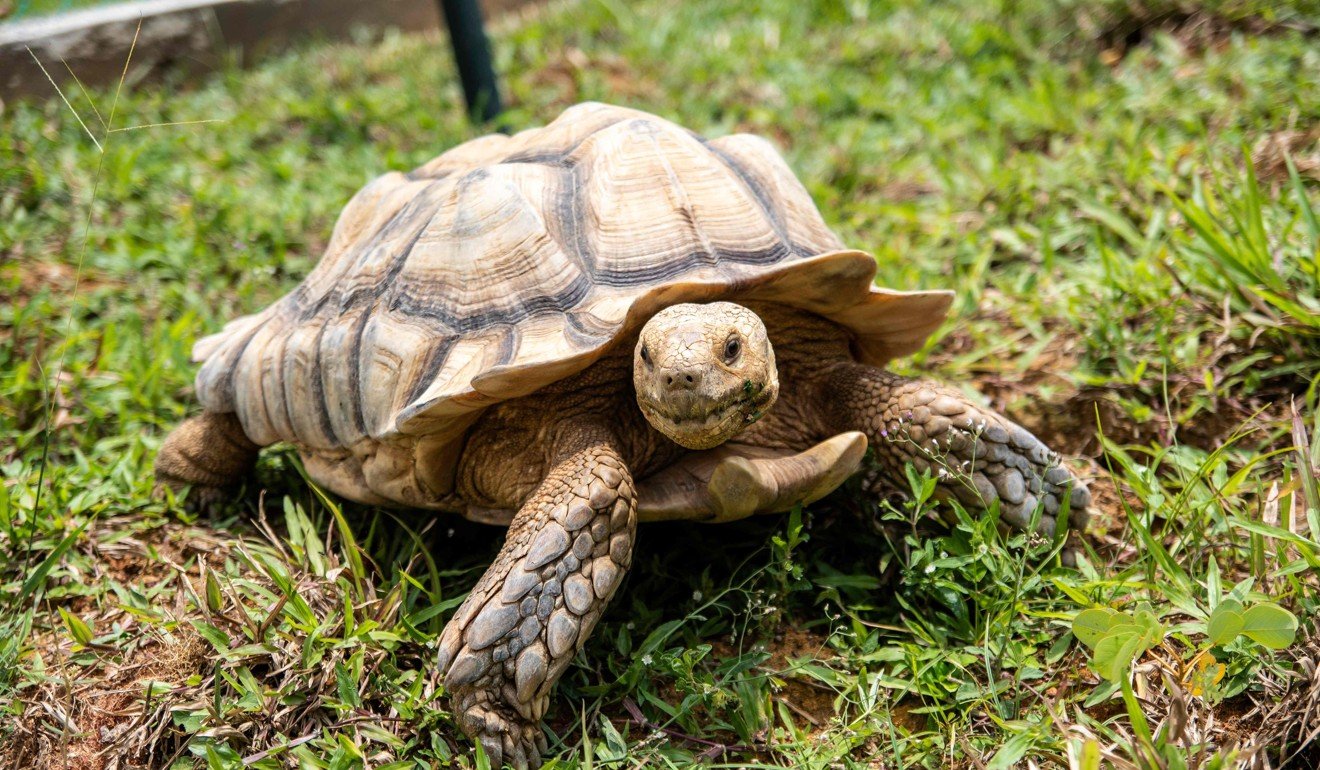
(646, 356)
(732, 347)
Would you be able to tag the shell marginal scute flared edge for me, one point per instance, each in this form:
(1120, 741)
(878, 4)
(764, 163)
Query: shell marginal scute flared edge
(508, 263)
(887, 323)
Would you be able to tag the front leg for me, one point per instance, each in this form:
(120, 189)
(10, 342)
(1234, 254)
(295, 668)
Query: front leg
(978, 456)
(565, 554)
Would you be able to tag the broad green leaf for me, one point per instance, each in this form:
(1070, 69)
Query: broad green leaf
(1152, 631)
(249, 651)
(218, 639)
(1069, 591)
(1012, 752)
(346, 685)
(616, 747)
(351, 750)
(1270, 625)
(1229, 603)
(1114, 653)
(1224, 625)
(1090, 626)
(1125, 626)
(659, 636)
(1090, 755)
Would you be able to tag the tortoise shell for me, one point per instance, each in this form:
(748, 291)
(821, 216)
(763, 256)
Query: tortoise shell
(511, 262)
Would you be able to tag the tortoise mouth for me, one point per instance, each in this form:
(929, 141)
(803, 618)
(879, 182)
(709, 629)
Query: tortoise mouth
(694, 427)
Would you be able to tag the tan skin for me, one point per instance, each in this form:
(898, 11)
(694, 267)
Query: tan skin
(519, 432)
(570, 458)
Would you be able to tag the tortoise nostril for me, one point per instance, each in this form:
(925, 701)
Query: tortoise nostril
(682, 379)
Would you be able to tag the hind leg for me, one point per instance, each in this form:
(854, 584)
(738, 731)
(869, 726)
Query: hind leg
(210, 453)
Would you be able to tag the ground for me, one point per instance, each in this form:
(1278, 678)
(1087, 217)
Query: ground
(1122, 196)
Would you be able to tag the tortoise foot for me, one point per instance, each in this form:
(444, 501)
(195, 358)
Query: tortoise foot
(506, 737)
(208, 501)
(209, 454)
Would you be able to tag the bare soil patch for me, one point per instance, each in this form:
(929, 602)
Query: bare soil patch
(91, 710)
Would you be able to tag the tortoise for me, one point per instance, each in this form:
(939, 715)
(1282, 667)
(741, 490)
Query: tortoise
(606, 320)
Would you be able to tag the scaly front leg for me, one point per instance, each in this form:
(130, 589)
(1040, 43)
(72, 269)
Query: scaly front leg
(565, 554)
(983, 457)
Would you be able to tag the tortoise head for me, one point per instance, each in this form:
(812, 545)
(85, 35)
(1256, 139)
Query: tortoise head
(703, 373)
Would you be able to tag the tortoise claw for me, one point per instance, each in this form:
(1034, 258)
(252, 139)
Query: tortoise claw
(506, 739)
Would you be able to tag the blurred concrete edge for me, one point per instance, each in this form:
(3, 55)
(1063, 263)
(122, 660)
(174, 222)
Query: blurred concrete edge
(195, 35)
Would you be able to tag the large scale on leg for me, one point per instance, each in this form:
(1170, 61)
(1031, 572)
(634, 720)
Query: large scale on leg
(563, 558)
(603, 321)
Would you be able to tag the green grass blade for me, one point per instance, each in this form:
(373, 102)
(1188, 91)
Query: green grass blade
(42, 571)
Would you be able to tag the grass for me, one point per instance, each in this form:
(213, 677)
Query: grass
(1123, 197)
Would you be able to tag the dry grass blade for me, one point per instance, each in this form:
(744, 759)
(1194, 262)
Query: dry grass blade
(1307, 471)
(65, 99)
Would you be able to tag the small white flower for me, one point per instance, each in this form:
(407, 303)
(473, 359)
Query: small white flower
(696, 596)
(646, 659)
(930, 568)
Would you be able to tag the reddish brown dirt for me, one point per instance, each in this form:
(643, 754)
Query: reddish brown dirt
(35, 276)
(1270, 152)
(1118, 29)
(102, 703)
(803, 695)
(565, 76)
(89, 711)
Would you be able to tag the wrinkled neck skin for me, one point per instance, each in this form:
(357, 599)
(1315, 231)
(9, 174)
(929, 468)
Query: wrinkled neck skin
(803, 342)
(807, 347)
